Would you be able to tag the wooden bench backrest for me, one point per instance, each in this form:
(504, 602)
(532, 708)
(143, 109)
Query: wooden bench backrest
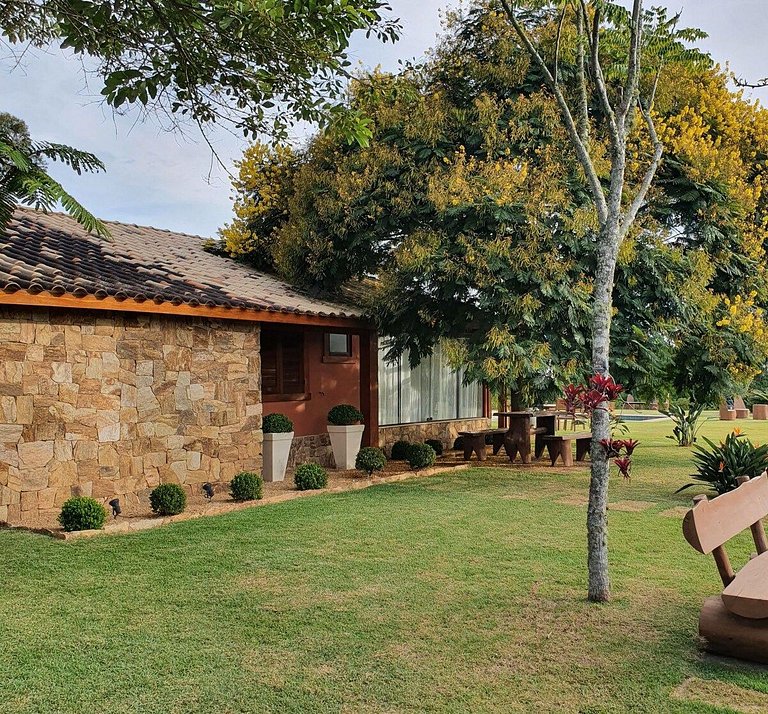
(738, 403)
(709, 524)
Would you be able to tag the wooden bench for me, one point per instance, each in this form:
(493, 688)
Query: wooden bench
(560, 446)
(736, 622)
(474, 441)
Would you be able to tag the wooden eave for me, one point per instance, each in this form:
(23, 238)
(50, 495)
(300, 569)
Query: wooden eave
(111, 304)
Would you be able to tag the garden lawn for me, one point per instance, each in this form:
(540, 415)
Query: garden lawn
(457, 593)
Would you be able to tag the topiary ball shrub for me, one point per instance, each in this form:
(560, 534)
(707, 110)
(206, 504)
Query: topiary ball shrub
(420, 456)
(370, 459)
(310, 476)
(246, 486)
(458, 444)
(345, 415)
(276, 424)
(437, 445)
(400, 450)
(82, 514)
(168, 499)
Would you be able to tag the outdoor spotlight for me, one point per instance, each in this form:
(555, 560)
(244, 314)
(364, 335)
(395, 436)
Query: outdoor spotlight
(115, 504)
(208, 491)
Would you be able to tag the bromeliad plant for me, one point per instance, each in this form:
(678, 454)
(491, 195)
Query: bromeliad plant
(687, 421)
(721, 464)
(593, 396)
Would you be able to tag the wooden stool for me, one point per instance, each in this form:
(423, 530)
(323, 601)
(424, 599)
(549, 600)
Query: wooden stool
(474, 441)
(560, 446)
(760, 411)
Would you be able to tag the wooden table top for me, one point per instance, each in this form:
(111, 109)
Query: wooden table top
(511, 414)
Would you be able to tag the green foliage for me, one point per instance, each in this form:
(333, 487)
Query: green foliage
(246, 486)
(470, 208)
(687, 421)
(370, 459)
(309, 477)
(258, 65)
(345, 415)
(400, 450)
(437, 446)
(421, 456)
(81, 514)
(721, 464)
(24, 178)
(168, 499)
(276, 424)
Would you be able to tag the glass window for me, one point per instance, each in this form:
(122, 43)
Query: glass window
(338, 344)
(430, 391)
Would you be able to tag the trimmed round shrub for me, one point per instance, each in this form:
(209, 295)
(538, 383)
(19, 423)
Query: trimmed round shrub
(370, 459)
(458, 444)
(436, 445)
(310, 476)
(345, 415)
(420, 456)
(276, 424)
(82, 514)
(400, 450)
(168, 499)
(246, 486)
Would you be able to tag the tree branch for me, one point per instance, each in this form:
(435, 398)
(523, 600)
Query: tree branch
(645, 185)
(597, 70)
(633, 65)
(581, 150)
(582, 73)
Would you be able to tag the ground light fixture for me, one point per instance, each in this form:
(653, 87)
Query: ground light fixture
(115, 505)
(208, 491)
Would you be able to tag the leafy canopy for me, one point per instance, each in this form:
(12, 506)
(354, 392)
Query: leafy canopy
(471, 210)
(257, 65)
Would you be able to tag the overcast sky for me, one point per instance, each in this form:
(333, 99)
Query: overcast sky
(169, 181)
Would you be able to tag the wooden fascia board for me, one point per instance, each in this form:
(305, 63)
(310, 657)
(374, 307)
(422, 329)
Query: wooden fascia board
(89, 302)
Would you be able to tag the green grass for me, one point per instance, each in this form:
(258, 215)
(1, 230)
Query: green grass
(456, 593)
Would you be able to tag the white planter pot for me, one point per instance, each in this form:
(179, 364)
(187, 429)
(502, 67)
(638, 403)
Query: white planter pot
(345, 442)
(276, 450)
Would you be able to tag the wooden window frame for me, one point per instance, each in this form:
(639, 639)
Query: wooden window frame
(302, 396)
(336, 358)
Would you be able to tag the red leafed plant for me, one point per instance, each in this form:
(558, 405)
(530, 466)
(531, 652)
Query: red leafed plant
(602, 389)
(625, 466)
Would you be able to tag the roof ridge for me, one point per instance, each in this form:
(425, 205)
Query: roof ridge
(30, 209)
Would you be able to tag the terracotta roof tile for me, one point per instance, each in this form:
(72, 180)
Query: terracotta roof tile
(50, 252)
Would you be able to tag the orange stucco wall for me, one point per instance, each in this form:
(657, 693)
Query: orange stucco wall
(327, 384)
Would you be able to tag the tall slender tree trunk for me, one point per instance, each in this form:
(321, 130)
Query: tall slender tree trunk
(597, 511)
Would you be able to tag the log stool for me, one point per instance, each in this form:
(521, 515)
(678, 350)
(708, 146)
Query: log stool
(474, 441)
(560, 446)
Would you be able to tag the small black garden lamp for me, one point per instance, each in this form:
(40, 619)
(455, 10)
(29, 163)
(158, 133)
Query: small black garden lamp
(116, 510)
(208, 491)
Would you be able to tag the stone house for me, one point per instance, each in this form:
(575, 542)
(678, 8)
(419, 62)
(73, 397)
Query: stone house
(146, 359)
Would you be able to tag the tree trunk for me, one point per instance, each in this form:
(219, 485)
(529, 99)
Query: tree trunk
(597, 512)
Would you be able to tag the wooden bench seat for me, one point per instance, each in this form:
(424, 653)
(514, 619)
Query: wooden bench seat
(736, 623)
(747, 595)
(559, 446)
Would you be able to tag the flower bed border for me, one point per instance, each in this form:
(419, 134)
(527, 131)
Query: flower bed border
(134, 525)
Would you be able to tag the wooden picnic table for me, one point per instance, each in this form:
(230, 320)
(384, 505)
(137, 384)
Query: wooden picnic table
(518, 436)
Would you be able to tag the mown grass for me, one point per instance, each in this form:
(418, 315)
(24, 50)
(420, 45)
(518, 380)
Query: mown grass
(456, 593)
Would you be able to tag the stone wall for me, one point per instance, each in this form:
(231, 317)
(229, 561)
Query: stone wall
(315, 449)
(445, 431)
(111, 404)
